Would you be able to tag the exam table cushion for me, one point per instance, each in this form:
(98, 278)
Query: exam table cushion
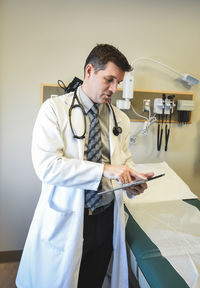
(155, 268)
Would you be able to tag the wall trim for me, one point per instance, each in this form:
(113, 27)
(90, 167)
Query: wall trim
(10, 256)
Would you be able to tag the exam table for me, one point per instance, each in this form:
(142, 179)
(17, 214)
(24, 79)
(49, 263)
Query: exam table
(163, 232)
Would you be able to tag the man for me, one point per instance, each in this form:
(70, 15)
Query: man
(72, 236)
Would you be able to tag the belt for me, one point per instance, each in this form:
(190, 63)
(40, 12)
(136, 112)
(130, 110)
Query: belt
(99, 210)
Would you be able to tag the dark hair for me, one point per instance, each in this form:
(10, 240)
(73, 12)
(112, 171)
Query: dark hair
(103, 53)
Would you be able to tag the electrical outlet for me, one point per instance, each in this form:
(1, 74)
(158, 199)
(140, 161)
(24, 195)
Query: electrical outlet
(146, 105)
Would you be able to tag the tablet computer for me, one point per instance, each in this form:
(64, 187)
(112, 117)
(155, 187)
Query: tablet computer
(134, 183)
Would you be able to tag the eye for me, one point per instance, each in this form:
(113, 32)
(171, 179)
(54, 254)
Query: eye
(109, 80)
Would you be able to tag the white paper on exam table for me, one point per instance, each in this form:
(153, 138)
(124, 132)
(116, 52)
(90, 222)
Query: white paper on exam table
(173, 226)
(170, 187)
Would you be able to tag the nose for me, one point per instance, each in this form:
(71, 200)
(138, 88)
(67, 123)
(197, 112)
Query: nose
(113, 87)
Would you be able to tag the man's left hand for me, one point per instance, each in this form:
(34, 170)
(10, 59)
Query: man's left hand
(136, 190)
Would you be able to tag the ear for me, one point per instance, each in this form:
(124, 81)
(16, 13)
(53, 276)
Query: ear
(89, 70)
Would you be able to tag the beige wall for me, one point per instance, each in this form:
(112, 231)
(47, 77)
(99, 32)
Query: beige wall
(43, 41)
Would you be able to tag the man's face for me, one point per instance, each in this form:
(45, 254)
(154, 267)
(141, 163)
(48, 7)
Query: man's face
(100, 85)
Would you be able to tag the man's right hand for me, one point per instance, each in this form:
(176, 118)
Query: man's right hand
(123, 174)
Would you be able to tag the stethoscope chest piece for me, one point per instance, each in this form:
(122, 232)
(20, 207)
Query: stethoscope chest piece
(117, 130)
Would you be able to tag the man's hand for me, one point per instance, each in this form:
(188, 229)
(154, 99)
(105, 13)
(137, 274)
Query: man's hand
(136, 190)
(124, 174)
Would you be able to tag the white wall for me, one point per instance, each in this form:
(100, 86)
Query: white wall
(43, 41)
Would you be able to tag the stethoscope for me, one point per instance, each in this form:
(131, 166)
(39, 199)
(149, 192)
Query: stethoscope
(76, 104)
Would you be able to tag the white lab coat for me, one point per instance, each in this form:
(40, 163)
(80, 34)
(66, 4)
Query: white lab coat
(52, 253)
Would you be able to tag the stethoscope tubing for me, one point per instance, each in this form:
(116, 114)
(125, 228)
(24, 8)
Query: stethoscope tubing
(73, 106)
(116, 129)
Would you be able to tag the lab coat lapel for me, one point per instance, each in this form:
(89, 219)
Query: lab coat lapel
(113, 139)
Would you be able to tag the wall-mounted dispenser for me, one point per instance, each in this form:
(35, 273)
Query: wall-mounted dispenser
(184, 108)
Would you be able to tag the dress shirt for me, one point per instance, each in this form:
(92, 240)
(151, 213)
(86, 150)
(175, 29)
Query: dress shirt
(104, 124)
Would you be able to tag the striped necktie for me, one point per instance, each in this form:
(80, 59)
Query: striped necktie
(94, 154)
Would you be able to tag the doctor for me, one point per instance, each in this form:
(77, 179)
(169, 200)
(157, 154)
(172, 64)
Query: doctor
(70, 241)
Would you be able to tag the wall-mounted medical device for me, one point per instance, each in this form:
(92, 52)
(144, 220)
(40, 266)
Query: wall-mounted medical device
(128, 83)
(184, 108)
(142, 95)
(128, 87)
(164, 107)
(186, 79)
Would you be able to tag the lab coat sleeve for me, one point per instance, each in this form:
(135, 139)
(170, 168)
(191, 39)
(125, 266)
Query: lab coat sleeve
(52, 158)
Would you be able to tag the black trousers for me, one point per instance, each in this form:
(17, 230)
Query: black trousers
(97, 248)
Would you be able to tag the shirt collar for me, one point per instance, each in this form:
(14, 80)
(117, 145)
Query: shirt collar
(86, 101)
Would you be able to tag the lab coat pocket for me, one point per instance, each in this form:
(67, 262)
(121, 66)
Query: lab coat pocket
(56, 228)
